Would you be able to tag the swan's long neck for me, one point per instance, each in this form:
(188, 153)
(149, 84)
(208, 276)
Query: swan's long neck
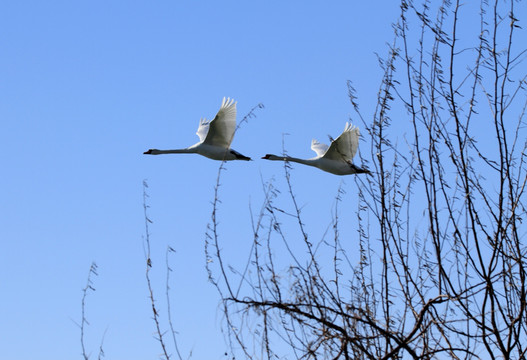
(174, 151)
(289, 158)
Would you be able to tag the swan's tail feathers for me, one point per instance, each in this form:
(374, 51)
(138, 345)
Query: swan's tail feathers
(239, 156)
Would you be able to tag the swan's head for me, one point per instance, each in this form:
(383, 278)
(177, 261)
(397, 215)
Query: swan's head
(359, 170)
(272, 157)
(152, 152)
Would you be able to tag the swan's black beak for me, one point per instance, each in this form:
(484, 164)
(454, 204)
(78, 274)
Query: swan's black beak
(364, 171)
(148, 152)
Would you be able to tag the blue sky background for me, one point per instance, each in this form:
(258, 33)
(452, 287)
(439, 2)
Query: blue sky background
(86, 87)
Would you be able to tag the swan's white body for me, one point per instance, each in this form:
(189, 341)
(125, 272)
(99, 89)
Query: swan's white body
(336, 158)
(215, 136)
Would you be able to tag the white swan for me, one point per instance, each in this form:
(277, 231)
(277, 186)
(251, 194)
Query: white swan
(336, 158)
(215, 136)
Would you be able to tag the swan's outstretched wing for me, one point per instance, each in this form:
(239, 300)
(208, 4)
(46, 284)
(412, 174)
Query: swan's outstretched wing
(319, 148)
(345, 146)
(203, 129)
(221, 128)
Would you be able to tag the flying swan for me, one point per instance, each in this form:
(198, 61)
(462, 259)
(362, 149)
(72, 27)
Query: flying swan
(336, 158)
(215, 136)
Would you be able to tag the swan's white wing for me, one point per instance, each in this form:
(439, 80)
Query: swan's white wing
(203, 129)
(221, 128)
(319, 148)
(345, 146)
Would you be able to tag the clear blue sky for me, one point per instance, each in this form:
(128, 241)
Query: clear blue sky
(86, 87)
